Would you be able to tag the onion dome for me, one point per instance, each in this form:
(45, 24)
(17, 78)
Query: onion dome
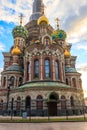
(59, 34)
(15, 67)
(20, 31)
(67, 53)
(43, 19)
(70, 70)
(16, 51)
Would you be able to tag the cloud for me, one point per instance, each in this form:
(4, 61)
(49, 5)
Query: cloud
(84, 47)
(1, 30)
(10, 10)
(2, 47)
(78, 32)
(82, 68)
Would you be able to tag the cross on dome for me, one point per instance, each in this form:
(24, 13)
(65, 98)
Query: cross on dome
(21, 19)
(57, 22)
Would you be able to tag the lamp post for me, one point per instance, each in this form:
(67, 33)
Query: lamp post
(8, 93)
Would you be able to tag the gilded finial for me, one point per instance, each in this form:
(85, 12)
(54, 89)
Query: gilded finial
(21, 18)
(57, 23)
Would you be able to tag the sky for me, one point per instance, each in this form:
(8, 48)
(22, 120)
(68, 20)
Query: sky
(73, 19)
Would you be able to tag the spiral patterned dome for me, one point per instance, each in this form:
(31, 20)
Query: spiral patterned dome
(59, 34)
(20, 31)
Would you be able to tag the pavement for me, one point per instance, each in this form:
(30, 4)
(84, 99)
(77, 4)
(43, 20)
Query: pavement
(44, 126)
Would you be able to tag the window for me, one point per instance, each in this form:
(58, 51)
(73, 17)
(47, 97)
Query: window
(80, 83)
(73, 82)
(67, 81)
(63, 70)
(36, 68)
(1, 104)
(63, 102)
(72, 101)
(39, 102)
(28, 102)
(28, 70)
(57, 69)
(18, 103)
(47, 69)
(12, 80)
(4, 82)
(20, 81)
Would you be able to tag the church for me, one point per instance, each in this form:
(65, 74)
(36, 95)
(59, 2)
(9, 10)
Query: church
(39, 74)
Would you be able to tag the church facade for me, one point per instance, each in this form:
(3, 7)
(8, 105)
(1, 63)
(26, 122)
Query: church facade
(39, 73)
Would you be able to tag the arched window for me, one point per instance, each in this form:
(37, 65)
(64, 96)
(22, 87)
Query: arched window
(72, 101)
(80, 83)
(63, 71)
(28, 70)
(36, 69)
(63, 102)
(4, 81)
(12, 79)
(57, 70)
(28, 102)
(73, 82)
(47, 68)
(1, 104)
(20, 81)
(39, 102)
(18, 103)
(67, 82)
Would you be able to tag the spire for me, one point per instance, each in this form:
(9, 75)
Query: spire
(36, 9)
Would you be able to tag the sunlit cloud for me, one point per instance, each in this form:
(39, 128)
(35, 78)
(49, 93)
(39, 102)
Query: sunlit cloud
(2, 47)
(82, 68)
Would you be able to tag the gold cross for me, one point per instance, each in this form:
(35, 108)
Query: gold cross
(21, 18)
(42, 8)
(57, 22)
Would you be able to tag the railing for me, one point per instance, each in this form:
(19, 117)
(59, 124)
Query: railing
(45, 111)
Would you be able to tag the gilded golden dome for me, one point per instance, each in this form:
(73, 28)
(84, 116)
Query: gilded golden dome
(43, 19)
(67, 53)
(16, 51)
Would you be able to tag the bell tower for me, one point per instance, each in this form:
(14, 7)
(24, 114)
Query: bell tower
(36, 9)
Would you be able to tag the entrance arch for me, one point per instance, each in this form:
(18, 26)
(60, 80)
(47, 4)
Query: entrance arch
(52, 104)
(28, 102)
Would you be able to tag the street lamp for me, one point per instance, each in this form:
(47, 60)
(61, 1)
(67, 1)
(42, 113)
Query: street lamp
(8, 93)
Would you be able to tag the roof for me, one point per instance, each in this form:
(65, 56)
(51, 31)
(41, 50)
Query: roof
(15, 67)
(70, 70)
(44, 84)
